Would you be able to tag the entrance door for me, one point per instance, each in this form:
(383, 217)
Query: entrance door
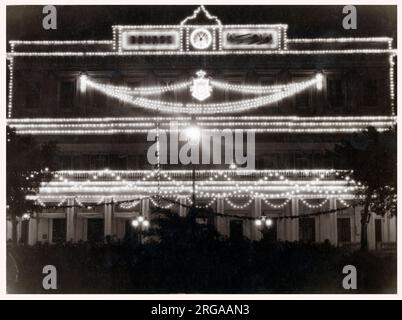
(307, 230)
(95, 230)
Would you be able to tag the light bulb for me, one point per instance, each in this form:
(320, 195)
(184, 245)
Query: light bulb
(269, 222)
(258, 223)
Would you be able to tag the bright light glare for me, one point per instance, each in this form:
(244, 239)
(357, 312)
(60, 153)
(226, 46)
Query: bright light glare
(258, 223)
(83, 82)
(193, 134)
(269, 222)
(145, 224)
(320, 79)
(135, 223)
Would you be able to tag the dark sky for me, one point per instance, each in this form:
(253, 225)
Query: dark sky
(94, 22)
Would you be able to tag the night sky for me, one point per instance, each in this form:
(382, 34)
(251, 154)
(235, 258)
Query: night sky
(94, 22)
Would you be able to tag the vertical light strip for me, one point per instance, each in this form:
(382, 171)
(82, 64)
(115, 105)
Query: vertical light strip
(285, 37)
(10, 88)
(392, 83)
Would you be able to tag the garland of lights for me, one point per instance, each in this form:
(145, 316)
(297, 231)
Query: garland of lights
(276, 206)
(206, 108)
(311, 206)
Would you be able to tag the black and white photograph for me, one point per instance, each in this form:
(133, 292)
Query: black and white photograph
(225, 149)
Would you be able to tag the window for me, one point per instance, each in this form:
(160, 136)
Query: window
(59, 230)
(236, 230)
(370, 94)
(344, 230)
(335, 93)
(98, 162)
(307, 230)
(303, 100)
(32, 97)
(95, 230)
(67, 95)
(378, 230)
(302, 161)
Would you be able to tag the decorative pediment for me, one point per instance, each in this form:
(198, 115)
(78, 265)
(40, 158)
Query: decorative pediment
(201, 16)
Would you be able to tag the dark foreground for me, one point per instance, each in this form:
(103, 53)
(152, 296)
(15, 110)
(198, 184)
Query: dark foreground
(218, 267)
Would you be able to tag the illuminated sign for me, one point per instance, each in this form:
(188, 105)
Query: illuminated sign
(250, 39)
(151, 40)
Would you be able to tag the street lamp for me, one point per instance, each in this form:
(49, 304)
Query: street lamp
(264, 221)
(141, 224)
(193, 134)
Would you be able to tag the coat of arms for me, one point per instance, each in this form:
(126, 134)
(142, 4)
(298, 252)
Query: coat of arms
(201, 89)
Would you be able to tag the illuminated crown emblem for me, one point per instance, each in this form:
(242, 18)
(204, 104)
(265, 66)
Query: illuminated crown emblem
(201, 88)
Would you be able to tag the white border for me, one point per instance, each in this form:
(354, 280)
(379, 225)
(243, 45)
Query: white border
(179, 296)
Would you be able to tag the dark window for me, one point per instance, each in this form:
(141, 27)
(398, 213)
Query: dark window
(24, 231)
(378, 230)
(130, 233)
(32, 98)
(270, 233)
(95, 230)
(303, 100)
(307, 230)
(236, 230)
(65, 162)
(67, 94)
(59, 230)
(302, 161)
(335, 93)
(344, 230)
(370, 94)
(98, 162)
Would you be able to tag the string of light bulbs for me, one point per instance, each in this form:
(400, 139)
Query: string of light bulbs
(208, 108)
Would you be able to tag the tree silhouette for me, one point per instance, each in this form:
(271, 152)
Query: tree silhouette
(28, 164)
(371, 158)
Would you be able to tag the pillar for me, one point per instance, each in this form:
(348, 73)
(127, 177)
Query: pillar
(145, 209)
(183, 208)
(292, 225)
(32, 232)
(70, 220)
(256, 212)
(221, 222)
(108, 217)
(329, 224)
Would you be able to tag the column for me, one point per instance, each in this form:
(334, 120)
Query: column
(183, 209)
(329, 224)
(358, 225)
(221, 222)
(32, 232)
(107, 217)
(292, 225)
(392, 228)
(70, 220)
(256, 212)
(145, 209)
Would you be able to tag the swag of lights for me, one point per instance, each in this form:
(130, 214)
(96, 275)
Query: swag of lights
(200, 85)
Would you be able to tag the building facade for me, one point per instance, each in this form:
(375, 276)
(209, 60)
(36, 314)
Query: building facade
(100, 100)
